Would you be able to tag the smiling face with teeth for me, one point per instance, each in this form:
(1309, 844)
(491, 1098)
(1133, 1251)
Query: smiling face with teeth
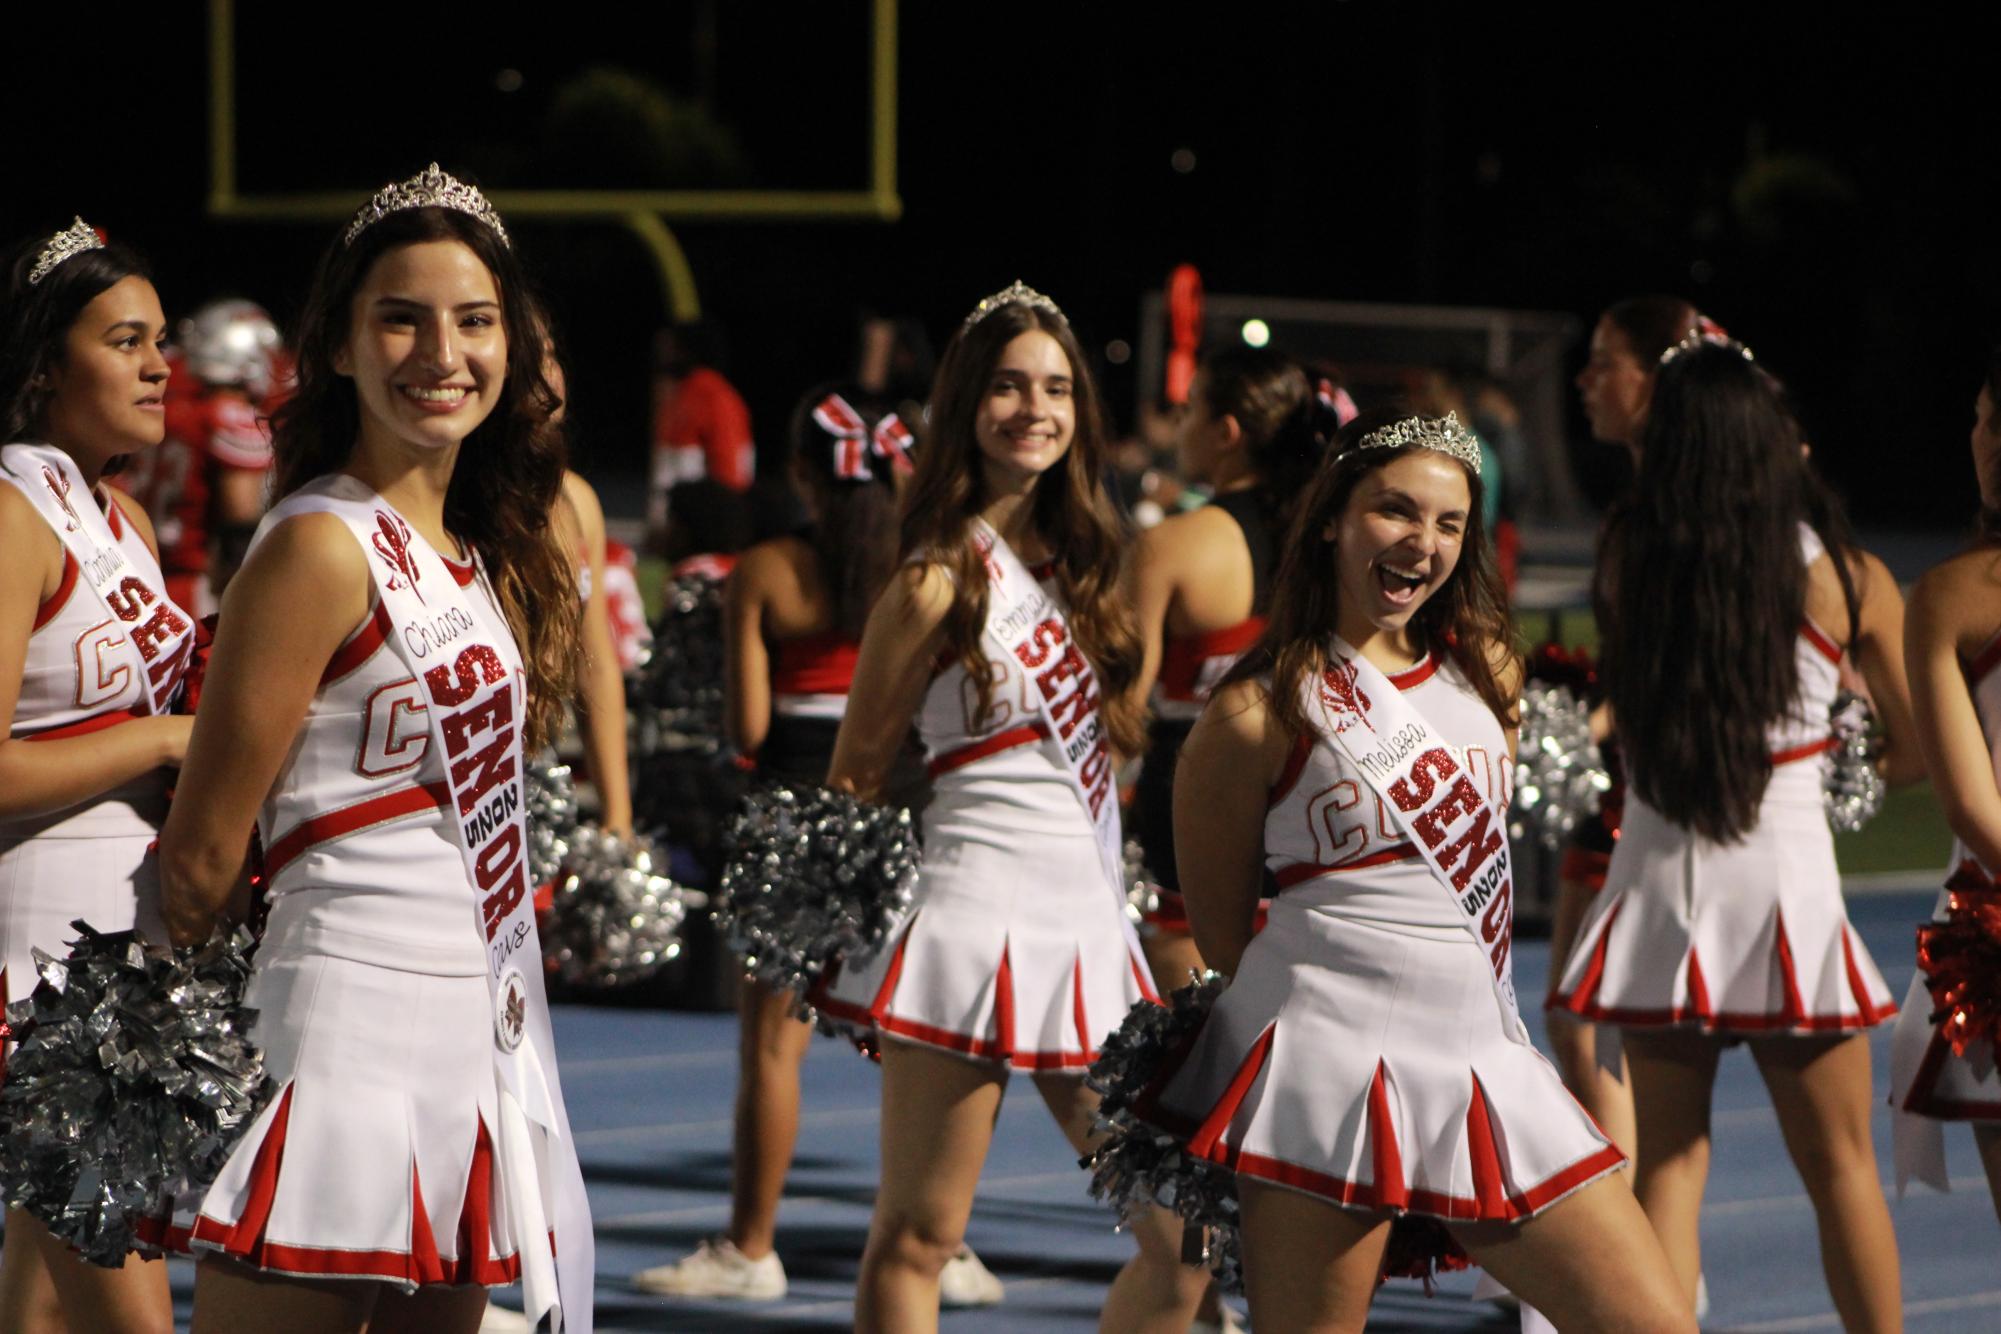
(426, 347)
(1396, 542)
(1028, 415)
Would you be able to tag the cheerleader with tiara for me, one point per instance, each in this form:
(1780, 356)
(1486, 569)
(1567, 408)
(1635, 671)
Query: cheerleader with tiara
(415, 1151)
(1366, 1065)
(91, 657)
(1005, 639)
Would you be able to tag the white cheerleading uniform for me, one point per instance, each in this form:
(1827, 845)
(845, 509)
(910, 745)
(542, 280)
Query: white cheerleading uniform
(1926, 1079)
(90, 860)
(1744, 939)
(380, 1154)
(1018, 951)
(1360, 1055)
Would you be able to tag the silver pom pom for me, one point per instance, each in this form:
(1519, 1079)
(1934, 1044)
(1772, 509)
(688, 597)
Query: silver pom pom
(1560, 776)
(1137, 1164)
(552, 818)
(615, 918)
(674, 701)
(814, 875)
(134, 1078)
(1142, 897)
(1851, 786)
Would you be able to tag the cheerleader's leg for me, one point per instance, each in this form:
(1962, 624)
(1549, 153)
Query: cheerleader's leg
(27, 1294)
(1987, 1135)
(1820, 1088)
(938, 1113)
(771, 1046)
(132, 1299)
(1154, 1291)
(1674, 1075)
(1308, 1264)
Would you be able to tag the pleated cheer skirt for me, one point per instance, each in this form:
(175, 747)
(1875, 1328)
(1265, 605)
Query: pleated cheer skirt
(1017, 955)
(1367, 1065)
(1926, 1078)
(1747, 939)
(384, 1152)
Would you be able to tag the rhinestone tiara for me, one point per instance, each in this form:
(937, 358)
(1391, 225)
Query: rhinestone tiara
(1443, 434)
(429, 188)
(67, 244)
(1711, 336)
(1016, 293)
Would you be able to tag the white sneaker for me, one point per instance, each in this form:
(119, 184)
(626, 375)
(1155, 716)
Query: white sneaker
(717, 1269)
(964, 1281)
(1227, 1324)
(500, 1320)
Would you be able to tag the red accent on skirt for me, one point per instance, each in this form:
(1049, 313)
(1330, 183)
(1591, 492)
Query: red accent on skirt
(1385, 1157)
(1025, 735)
(1923, 1097)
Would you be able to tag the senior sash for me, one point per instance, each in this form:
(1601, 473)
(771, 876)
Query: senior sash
(1026, 624)
(1425, 785)
(157, 635)
(464, 654)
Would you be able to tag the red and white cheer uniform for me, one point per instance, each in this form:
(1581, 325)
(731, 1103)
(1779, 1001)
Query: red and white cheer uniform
(89, 860)
(1019, 951)
(1359, 1054)
(1748, 938)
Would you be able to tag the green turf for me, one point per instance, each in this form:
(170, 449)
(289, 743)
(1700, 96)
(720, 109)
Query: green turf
(1909, 835)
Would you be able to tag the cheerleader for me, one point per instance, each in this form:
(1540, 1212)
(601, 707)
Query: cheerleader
(415, 1150)
(1731, 598)
(91, 655)
(1366, 1061)
(793, 612)
(1005, 639)
(1252, 432)
(1952, 643)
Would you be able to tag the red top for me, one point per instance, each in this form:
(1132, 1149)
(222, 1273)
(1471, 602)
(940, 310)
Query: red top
(702, 411)
(1182, 656)
(822, 664)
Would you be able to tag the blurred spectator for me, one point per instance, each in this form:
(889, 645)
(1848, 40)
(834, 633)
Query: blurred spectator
(701, 428)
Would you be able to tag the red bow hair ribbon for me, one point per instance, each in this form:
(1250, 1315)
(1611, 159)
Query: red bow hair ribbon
(855, 444)
(1336, 400)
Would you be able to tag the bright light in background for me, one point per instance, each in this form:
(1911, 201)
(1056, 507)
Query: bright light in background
(1256, 333)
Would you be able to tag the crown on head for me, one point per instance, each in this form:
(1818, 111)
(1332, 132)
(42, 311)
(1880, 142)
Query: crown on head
(429, 188)
(1016, 293)
(1712, 336)
(1443, 434)
(78, 237)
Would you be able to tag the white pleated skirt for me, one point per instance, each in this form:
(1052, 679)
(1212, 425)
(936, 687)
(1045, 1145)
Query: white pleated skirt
(1926, 1078)
(1369, 1066)
(381, 1154)
(1746, 939)
(1018, 955)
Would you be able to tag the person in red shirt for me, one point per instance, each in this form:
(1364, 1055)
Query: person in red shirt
(701, 428)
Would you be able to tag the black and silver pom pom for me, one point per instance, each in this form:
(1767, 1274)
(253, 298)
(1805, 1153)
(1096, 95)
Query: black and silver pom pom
(615, 917)
(134, 1077)
(814, 875)
(1560, 775)
(674, 701)
(1138, 1165)
(1852, 787)
(552, 818)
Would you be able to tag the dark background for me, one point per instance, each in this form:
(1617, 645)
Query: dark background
(1822, 186)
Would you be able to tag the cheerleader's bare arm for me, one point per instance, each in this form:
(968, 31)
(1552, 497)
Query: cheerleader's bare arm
(1947, 626)
(301, 592)
(904, 632)
(1880, 654)
(1222, 787)
(37, 777)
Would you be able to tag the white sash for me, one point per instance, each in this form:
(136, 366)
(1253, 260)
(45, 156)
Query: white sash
(1026, 624)
(157, 634)
(464, 653)
(1460, 835)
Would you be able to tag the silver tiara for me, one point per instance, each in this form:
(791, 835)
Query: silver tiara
(1443, 434)
(429, 188)
(1707, 335)
(1016, 293)
(68, 244)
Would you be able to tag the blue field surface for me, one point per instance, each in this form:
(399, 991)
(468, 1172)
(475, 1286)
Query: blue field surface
(650, 1094)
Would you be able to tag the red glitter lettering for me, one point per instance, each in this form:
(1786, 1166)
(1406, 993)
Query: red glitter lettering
(475, 664)
(488, 769)
(1412, 792)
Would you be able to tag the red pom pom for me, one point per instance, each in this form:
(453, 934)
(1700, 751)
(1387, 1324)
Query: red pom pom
(1961, 960)
(1422, 1247)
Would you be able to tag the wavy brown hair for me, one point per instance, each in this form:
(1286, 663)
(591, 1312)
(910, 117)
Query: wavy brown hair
(1071, 512)
(509, 471)
(1463, 623)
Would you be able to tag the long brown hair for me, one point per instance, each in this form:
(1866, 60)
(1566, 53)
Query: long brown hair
(1704, 590)
(1462, 623)
(510, 469)
(1070, 508)
(1286, 427)
(853, 532)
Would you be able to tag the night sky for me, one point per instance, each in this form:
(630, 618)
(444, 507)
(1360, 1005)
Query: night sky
(1823, 188)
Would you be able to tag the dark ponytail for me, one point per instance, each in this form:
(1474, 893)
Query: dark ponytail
(849, 454)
